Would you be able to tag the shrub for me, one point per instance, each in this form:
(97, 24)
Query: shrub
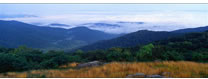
(114, 56)
(55, 61)
(200, 56)
(173, 55)
(145, 53)
(9, 62)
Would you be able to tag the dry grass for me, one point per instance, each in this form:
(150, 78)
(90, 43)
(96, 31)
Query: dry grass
(70, 65)
(122, 69)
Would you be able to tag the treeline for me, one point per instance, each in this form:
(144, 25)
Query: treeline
(23, 58)
(191, 47)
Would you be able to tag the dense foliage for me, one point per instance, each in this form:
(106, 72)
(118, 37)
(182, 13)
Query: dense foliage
(23, 58)
(190, 47)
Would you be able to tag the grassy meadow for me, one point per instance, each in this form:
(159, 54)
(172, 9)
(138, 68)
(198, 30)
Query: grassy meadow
(176, 69)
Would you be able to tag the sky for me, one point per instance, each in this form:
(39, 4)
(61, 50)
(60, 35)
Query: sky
(48, 9)
(167, 15)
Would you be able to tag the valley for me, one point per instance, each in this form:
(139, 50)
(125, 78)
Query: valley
(103, 40)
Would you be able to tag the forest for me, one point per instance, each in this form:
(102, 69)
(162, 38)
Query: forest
(189, 47)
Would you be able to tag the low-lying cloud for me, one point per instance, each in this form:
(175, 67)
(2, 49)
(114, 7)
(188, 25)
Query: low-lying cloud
(158, 21)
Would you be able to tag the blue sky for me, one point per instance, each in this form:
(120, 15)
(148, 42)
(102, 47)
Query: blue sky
(167, 16)
(47, 9)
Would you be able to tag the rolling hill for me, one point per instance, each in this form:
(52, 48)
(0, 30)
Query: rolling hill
(188, 30)
(139, 38)
(14, 34)
(130, 40)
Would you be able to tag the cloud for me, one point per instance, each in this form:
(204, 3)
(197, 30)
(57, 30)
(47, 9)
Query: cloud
(159, 21)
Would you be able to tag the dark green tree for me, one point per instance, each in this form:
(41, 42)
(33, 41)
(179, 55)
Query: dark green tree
(145, 53)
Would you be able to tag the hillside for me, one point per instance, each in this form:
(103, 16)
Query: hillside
(140, 38)
(191, 47)
(130, 40)
(14, 34)
(188, 30)
(188, 47)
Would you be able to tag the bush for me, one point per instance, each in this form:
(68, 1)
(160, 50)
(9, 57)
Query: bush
(74, 59)
(9, 62)
(158, 52)
(48, 64)
(127, 56)
(95, 55)
(50, 54)
(145, 53)
(173, 55)
(200, 56)
(55, 61)
(114, 56)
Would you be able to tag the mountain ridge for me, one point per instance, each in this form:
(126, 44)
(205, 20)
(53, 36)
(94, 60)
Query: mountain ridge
(15, 33)
(140, 37)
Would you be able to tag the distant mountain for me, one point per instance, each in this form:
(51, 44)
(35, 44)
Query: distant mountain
(139, 38)
(101, 25)
(188, 30)
(84, 33)
(57, 24)
(116, 27)
(110, 24)
(14, 34)
(123, 22)
(130, 40)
